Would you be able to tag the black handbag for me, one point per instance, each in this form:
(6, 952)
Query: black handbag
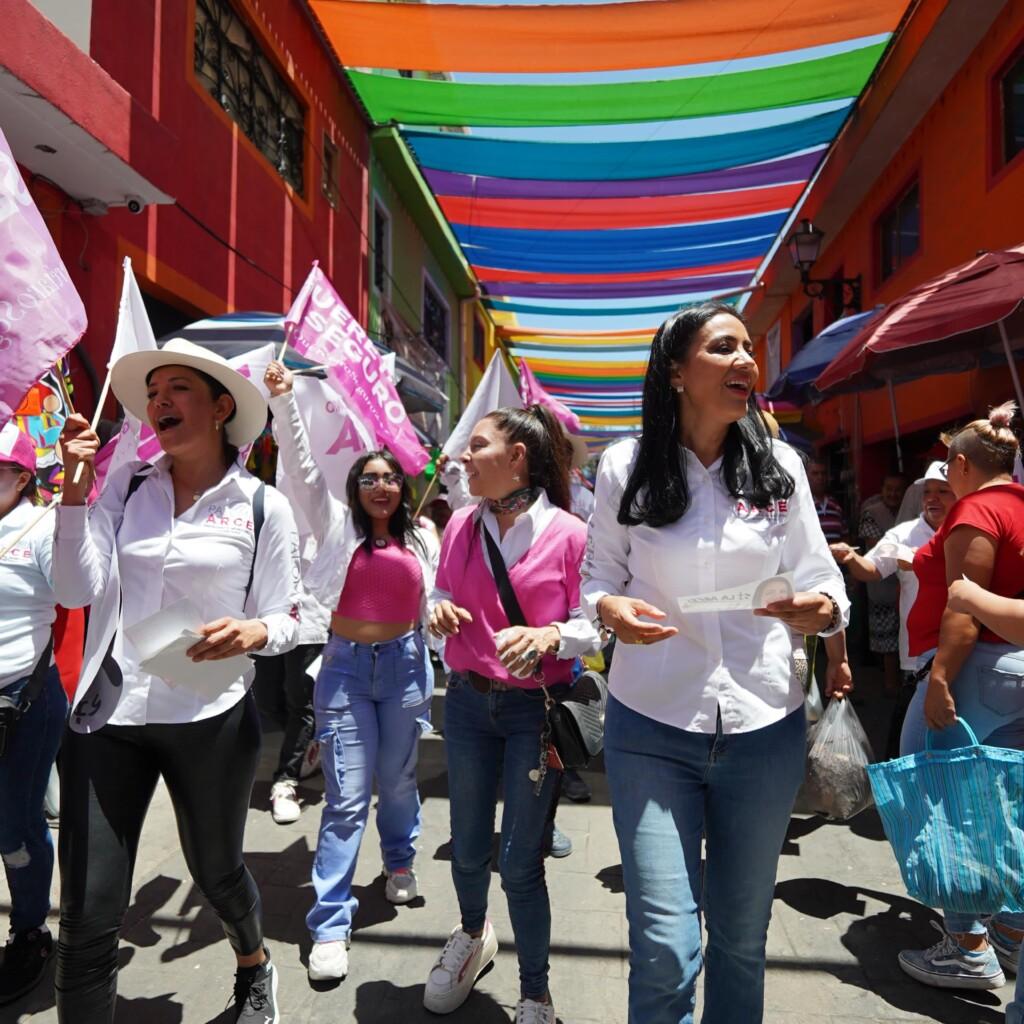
(576, 723)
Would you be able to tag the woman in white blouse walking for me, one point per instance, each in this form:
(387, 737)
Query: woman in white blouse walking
(194, 527)
(705, 731)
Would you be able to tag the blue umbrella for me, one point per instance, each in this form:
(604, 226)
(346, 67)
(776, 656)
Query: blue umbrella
(796, 383)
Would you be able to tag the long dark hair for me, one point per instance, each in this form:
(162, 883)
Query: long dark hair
(657, 492)
(401, 525)
(548, 449)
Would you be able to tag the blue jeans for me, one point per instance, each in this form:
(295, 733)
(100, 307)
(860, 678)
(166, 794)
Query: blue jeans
(490, 738)
(989, 696)
(371, 702)
(25, 843)
(670, 789)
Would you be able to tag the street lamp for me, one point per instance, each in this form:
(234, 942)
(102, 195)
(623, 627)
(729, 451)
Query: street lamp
(804, 246)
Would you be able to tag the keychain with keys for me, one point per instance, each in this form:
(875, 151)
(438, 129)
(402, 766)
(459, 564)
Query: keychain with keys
(538, 774)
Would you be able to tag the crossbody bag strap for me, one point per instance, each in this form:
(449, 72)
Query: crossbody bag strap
(509, 601)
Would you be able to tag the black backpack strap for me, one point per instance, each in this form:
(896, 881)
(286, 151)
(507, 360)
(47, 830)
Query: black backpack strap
(136, 481)
(509, 601)
(258, 502)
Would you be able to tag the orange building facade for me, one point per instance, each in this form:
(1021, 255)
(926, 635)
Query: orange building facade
(927, 172)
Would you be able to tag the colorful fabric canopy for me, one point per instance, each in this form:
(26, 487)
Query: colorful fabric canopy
(572, 37)
(603, 165)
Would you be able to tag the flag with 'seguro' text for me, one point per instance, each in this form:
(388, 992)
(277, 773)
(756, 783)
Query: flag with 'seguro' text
(41, 315)
(322, 329)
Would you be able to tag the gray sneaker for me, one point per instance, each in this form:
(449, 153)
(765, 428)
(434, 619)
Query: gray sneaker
(949, 965)
(1007, 951)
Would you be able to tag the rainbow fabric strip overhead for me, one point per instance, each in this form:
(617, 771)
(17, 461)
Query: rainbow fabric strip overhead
(611, 162)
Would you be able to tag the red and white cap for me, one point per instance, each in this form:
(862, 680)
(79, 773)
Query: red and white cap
(17, 447)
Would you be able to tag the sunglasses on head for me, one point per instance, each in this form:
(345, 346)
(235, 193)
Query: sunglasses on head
(391, 481)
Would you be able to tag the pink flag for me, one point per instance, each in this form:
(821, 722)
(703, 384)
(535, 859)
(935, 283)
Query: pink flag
(41, 315)
(323, 330)
(533, 394)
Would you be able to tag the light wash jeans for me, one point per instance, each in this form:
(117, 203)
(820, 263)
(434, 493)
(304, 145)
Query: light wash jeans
(989, 696)
(492, 738)
(371, 702)
(25, 844)
(671, 789)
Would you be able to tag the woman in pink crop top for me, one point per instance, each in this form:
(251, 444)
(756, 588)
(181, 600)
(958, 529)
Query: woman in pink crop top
(371, 698)
(518, 463)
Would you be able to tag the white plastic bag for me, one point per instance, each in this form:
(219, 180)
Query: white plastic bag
(838, 753)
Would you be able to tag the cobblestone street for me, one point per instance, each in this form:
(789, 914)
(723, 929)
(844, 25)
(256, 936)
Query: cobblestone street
(840, 918)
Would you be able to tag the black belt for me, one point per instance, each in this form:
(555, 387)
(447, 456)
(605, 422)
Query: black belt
(485, 686)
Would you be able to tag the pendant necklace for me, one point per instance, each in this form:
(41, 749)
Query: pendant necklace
(380, 542)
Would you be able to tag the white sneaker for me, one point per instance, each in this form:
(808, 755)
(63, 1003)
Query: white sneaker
(328, 961)
(453, 976)
(400, 886)
(529, 1011)
(284, 803)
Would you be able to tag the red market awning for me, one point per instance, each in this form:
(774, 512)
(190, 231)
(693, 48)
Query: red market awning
(961, 319)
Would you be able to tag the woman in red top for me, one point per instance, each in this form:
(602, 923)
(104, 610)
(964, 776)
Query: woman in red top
(975, 675)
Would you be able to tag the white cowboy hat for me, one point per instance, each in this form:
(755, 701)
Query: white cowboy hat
(128, 382)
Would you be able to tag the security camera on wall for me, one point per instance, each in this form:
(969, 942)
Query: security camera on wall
(134, 204)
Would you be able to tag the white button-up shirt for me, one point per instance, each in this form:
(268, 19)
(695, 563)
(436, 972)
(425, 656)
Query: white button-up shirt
(913, 534)
(156, 558)
(732, 663)
(25, 591)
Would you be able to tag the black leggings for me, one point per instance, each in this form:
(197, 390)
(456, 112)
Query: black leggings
(107, 781)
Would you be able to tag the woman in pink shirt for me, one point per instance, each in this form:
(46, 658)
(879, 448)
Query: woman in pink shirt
(375, 568)
(518, 464)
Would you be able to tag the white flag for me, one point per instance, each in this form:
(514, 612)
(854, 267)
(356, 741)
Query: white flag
(134, 334)
(496, 390)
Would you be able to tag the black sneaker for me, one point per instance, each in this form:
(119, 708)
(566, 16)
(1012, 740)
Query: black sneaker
(574, 788)
(25, 958)
(256, 994)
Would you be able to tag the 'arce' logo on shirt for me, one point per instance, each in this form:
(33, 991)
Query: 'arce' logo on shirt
(218, 517)
(775, 512)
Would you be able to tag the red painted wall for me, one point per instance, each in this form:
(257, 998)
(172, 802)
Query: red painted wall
(964, 207)
(237, 237)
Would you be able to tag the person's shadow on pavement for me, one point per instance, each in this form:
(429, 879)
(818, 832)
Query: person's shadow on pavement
(876, 941)
(381, 1002)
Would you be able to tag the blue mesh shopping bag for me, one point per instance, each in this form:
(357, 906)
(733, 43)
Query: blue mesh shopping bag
(955, 819)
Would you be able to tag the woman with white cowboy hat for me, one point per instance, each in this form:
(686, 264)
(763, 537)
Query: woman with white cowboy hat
(199, 538)
(32, 709)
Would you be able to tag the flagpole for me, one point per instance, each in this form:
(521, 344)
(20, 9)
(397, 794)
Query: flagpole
(105, 390)
(426, 494)
(42, 514)
(289, 328)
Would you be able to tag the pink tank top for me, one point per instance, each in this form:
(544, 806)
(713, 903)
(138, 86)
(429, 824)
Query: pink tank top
(382, 585)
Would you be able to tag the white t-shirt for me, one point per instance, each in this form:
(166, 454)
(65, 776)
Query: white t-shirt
(26, 592)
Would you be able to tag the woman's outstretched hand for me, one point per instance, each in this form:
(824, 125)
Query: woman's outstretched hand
(278, 378)
(622, 615)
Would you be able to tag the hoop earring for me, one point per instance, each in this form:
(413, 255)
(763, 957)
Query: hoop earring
(216, 424)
